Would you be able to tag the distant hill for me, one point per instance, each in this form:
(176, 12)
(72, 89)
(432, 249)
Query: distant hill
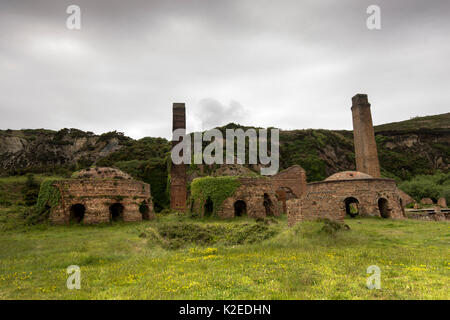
(440, 121)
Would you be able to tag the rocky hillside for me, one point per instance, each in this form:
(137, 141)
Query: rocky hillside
(403, 153)
(43, 150)
(406, 149)
(417, 146)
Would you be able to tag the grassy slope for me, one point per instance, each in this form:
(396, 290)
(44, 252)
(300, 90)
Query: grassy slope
(298, 263)
(429, 122)
(11, 189)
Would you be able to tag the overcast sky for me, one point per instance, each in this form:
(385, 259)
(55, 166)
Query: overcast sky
(288, 64)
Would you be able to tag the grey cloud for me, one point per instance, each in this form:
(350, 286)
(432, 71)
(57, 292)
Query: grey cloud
(292, 64)
(212, 113)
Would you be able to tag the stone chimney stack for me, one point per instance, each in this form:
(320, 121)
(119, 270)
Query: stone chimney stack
(178, 189)
(364, 137)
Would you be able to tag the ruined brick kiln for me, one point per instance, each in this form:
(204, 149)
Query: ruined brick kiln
(97, 195)
(362, 192)
(349, 193)
(229, 197)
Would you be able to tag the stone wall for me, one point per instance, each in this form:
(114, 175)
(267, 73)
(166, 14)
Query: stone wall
(97, 197)
(327, 199)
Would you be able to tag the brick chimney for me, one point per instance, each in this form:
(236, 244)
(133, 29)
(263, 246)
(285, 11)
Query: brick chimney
(178, 190)
(364, 137)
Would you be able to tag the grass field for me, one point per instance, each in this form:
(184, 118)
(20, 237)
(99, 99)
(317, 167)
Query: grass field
(122, 261)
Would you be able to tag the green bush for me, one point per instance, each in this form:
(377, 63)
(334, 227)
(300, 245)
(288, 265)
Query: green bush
(181, 234)
(30, 191)
(428, 186)
(153, 172)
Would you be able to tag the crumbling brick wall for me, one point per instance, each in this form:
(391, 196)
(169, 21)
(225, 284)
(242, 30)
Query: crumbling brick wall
(97, 196)
(252, 192)
(289, 183)
(258, 195)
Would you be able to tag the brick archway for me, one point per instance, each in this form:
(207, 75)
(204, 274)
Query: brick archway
(240, 208)
(351, 206)
(208, 208)
(268, 205)
(144, 209)
(77, 212)
(383, 206)
(116, 212)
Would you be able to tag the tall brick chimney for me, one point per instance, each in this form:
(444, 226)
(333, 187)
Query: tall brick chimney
(178, 190)
(364, 137)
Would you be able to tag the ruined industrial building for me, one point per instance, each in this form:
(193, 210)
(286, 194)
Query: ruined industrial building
(256, 197)
(352, 193)
(97, 195)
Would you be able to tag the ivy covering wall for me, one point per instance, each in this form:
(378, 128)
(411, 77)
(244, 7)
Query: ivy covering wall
(48, 195)
(215, 188)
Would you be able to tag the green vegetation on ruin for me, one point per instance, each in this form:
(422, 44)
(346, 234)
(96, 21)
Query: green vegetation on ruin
(217, 189)
(48, 194)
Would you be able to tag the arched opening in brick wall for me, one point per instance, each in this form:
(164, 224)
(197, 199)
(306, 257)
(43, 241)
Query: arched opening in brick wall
(351, 206)
(208, 208)
(144, 209)
(116, 212)
(240, 208)
(384, 208)
(77, 212)
(268, 205)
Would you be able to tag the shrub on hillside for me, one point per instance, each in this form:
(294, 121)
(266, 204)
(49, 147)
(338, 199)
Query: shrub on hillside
(428, 186)
(30, 191)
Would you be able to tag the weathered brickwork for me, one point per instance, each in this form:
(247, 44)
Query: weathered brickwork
(289, 184)
(259, 197)
(366, 154)
(90, 201)
(178, 184)
(255, 197)
(333, 200)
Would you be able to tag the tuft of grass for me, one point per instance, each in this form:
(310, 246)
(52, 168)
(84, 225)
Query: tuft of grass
(176, 235)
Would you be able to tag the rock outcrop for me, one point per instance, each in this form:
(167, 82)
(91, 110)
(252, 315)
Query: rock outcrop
(40, 148)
